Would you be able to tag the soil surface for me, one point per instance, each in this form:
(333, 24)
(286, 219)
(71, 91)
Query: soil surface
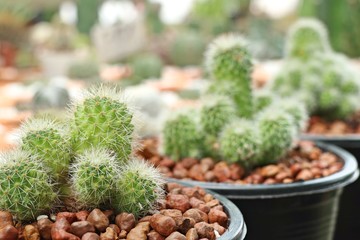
(304, 162)
(318, 125)
(186, 213)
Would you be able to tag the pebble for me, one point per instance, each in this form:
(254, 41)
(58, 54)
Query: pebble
(163, 224)
(222, 171)
(98, 219)
(82, 215)
(69, 216)
(186, 224)
(115, 227)
(205, 230)
(59, 230)
(125, 221)
(109, 234)
(220, 229)
(174, 214)
(9, 232)
(153, 235)
(176, 236)
(219, 217)
(140, 231)
(192, 234)
(194, 214)
(177, 201)
(90, 236)
(31, 233)
(81, 227)
(304, 174)
(44, 225)
(5, 219)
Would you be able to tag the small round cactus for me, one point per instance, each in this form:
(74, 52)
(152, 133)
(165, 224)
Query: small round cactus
(94, 177)
(215, 113)
(50, 142)
(50, 97)
(25, 186)
(181, 135)
(277, 130)
(305, 38)
(263, 98)
(103, 119)
(140, 187)
(146, 66)
(240, 142)
(227, 60)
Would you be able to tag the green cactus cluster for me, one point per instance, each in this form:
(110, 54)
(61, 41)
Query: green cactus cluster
(145, 66)
(84, 70)
(86, 159)
(25, 186)
(320, 77)
(237, 124)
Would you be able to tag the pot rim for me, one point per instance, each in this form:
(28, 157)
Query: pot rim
(237, 228)
(348, 174)
(346, 140)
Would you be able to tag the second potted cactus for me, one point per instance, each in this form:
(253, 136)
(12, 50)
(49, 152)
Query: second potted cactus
(250, 139)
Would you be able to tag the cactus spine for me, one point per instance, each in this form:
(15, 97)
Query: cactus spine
(140, 186)
(240, 142)
(181, 136)
(25, 187)
(94, 177)
(103, 119)
(277, 131)
(228, 61)
(50, 142)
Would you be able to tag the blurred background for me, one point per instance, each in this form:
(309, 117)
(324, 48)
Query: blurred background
(50, 50)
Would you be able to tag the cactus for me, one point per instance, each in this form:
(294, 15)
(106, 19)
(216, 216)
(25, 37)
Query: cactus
(215, 113)
(25, 187)
(305, 38)
(277, 131)
(50, 97)
(228, 61)
(103, 119)
(240, 142)
(296, 108)
(262, 99)
(94, 177)
(140, 187)
(187, 49)
(50, 142)
(181, 136)
(146, 66)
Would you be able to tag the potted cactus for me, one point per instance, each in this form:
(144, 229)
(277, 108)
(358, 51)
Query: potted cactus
(326, 81)
(241, 144)
(84, 171)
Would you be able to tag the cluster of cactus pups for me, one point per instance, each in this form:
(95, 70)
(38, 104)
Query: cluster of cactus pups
(320, 77)
(89, 158)
(234, 123)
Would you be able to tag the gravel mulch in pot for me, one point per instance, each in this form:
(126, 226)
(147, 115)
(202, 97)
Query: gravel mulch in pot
(304, 162)
(318, 125)
(186, 213)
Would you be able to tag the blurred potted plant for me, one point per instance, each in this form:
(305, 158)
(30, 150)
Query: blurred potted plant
(241, 146)
(330, 86)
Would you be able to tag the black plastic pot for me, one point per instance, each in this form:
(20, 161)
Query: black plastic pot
(348, 223)
(237, 228)
(295, 211)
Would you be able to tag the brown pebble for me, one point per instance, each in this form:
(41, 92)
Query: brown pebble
(153, 235)
(180, 173)
(81, 227)
(270, 181)
(195, 202)
(98, 219)
(171, 185)
(109, 214)
(177, 201)
(167, 162)
(5, 219)
(269, 171)
(222, 171)
(218, 207)
(82, 215)
(192, 234)
(44, 225)
(69, 216)
(176, 236)
(186, 224)
(122, 234)
(208, 197)
(174, 214)
(191, 192)
(213, 203)
(220, 229)
(90, 236)
(59, 230)
(31, 233)
(109, 234)
(288, 180)
(9, 232)
(145, 219)
(194, 214)
(304, 174)
(219, 217)
(189, 162)
(206, 164)
(196, 173)
(115, 228)
(205, 230)
(295, 169)
(237, 172)
(163, 224)
(204, 208)
(209, 176)
(125, 221)
(139, 232)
